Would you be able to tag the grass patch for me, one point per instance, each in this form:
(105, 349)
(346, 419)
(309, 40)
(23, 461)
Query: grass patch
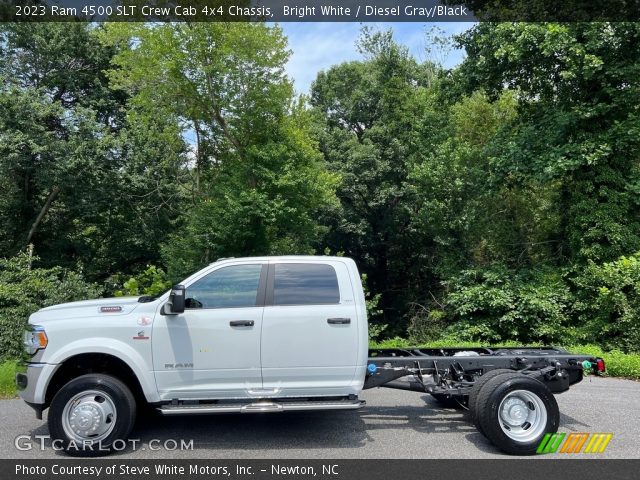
(619, 364)
(7, 379)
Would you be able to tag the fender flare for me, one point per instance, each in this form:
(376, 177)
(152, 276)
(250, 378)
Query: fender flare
(108, 346)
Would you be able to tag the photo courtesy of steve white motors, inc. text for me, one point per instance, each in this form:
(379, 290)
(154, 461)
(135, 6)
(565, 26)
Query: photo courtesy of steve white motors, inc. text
(168, 469)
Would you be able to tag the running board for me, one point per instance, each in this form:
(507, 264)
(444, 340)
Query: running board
(261, 407)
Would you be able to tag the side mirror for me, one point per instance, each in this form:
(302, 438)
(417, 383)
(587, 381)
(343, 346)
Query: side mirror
(175, 305)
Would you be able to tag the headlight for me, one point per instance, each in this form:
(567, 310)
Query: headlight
(35, 339)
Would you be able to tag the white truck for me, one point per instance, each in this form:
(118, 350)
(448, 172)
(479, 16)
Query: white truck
(266, 334)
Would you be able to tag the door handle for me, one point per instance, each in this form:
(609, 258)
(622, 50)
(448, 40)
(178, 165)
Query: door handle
(338, 321)
(241, 323)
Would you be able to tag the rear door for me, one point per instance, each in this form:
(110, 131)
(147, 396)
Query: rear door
(309, 330)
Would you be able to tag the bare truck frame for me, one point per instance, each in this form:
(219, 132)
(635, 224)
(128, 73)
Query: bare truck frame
(507, 391)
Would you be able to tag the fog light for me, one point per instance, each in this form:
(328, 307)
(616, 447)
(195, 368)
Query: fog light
(21, 381)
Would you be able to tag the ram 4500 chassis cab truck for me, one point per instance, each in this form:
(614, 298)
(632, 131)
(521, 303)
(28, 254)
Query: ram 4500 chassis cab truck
(266, 334)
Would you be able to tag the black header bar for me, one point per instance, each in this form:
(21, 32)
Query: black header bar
(320, 10)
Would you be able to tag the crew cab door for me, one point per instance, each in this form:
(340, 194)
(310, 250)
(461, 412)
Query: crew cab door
(309, 330)
(212, 350)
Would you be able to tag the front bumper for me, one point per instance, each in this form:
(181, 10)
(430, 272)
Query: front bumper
(31, 383)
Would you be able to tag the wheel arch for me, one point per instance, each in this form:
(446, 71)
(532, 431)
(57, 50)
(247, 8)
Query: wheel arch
(80, 361)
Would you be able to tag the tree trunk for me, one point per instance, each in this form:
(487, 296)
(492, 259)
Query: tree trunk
(45, 208)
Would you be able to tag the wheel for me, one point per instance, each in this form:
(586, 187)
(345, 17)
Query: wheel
(448, 401)
(90, 413)
(479, 383)
(475, 391)
(515, 412)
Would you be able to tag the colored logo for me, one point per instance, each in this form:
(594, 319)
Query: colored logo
(141, 336)
(574, 443)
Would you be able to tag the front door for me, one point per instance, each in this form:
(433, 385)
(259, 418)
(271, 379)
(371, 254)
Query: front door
(212, 350)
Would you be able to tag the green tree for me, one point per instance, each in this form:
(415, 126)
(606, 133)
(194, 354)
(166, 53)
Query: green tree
(90, 182)
(367, 111)
(547, 199)
(259, 183)
(577, 88)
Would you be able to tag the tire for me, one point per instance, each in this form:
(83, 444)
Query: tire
(90, 413)
(515, 412)
(448, 401)
(475, 391)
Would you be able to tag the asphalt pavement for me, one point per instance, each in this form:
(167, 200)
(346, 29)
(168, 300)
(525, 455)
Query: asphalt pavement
(394, 424)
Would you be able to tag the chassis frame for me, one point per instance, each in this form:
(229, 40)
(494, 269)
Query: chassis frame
(452, 372)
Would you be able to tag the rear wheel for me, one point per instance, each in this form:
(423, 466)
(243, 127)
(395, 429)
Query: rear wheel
(475, 391)
(515, 412)
(90, 413)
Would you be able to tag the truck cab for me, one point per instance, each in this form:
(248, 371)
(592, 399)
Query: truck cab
(242, 334)
(263, 328)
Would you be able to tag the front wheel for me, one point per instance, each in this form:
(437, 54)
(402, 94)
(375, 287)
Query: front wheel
(515, 412)
(90, 413)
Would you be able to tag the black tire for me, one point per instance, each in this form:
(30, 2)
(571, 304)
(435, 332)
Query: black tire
(488, 405)
(475, 391)
(450, 401)
(106, 387)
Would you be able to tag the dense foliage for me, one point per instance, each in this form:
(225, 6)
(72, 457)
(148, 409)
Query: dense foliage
(496, 201)
(25, 289)
(91, 183)
(259, 181)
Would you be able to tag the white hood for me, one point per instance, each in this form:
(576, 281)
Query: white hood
(87, 308)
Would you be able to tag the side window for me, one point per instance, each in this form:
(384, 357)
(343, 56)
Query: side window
(305, 284)
(227, 287)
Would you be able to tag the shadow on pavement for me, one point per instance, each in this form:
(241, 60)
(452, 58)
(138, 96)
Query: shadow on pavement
(307, 430)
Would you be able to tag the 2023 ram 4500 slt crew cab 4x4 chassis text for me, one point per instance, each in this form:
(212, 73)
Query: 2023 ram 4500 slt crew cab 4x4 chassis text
(266, 334)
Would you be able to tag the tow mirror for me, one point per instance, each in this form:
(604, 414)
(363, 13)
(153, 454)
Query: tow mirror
(175, 305)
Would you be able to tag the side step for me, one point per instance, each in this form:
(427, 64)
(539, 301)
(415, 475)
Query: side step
(261, 407)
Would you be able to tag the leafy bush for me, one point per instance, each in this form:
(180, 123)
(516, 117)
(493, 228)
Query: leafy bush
(496, 304)
(152, 281)
(25, 289)
(598, 303)
(373, 312)
(608, 303)
(375, 330)
(425, 324)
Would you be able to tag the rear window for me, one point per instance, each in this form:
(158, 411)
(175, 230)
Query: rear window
(305, 284)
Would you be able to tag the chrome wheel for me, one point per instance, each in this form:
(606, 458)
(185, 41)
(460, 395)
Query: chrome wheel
(89, 416)
(522, 415)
